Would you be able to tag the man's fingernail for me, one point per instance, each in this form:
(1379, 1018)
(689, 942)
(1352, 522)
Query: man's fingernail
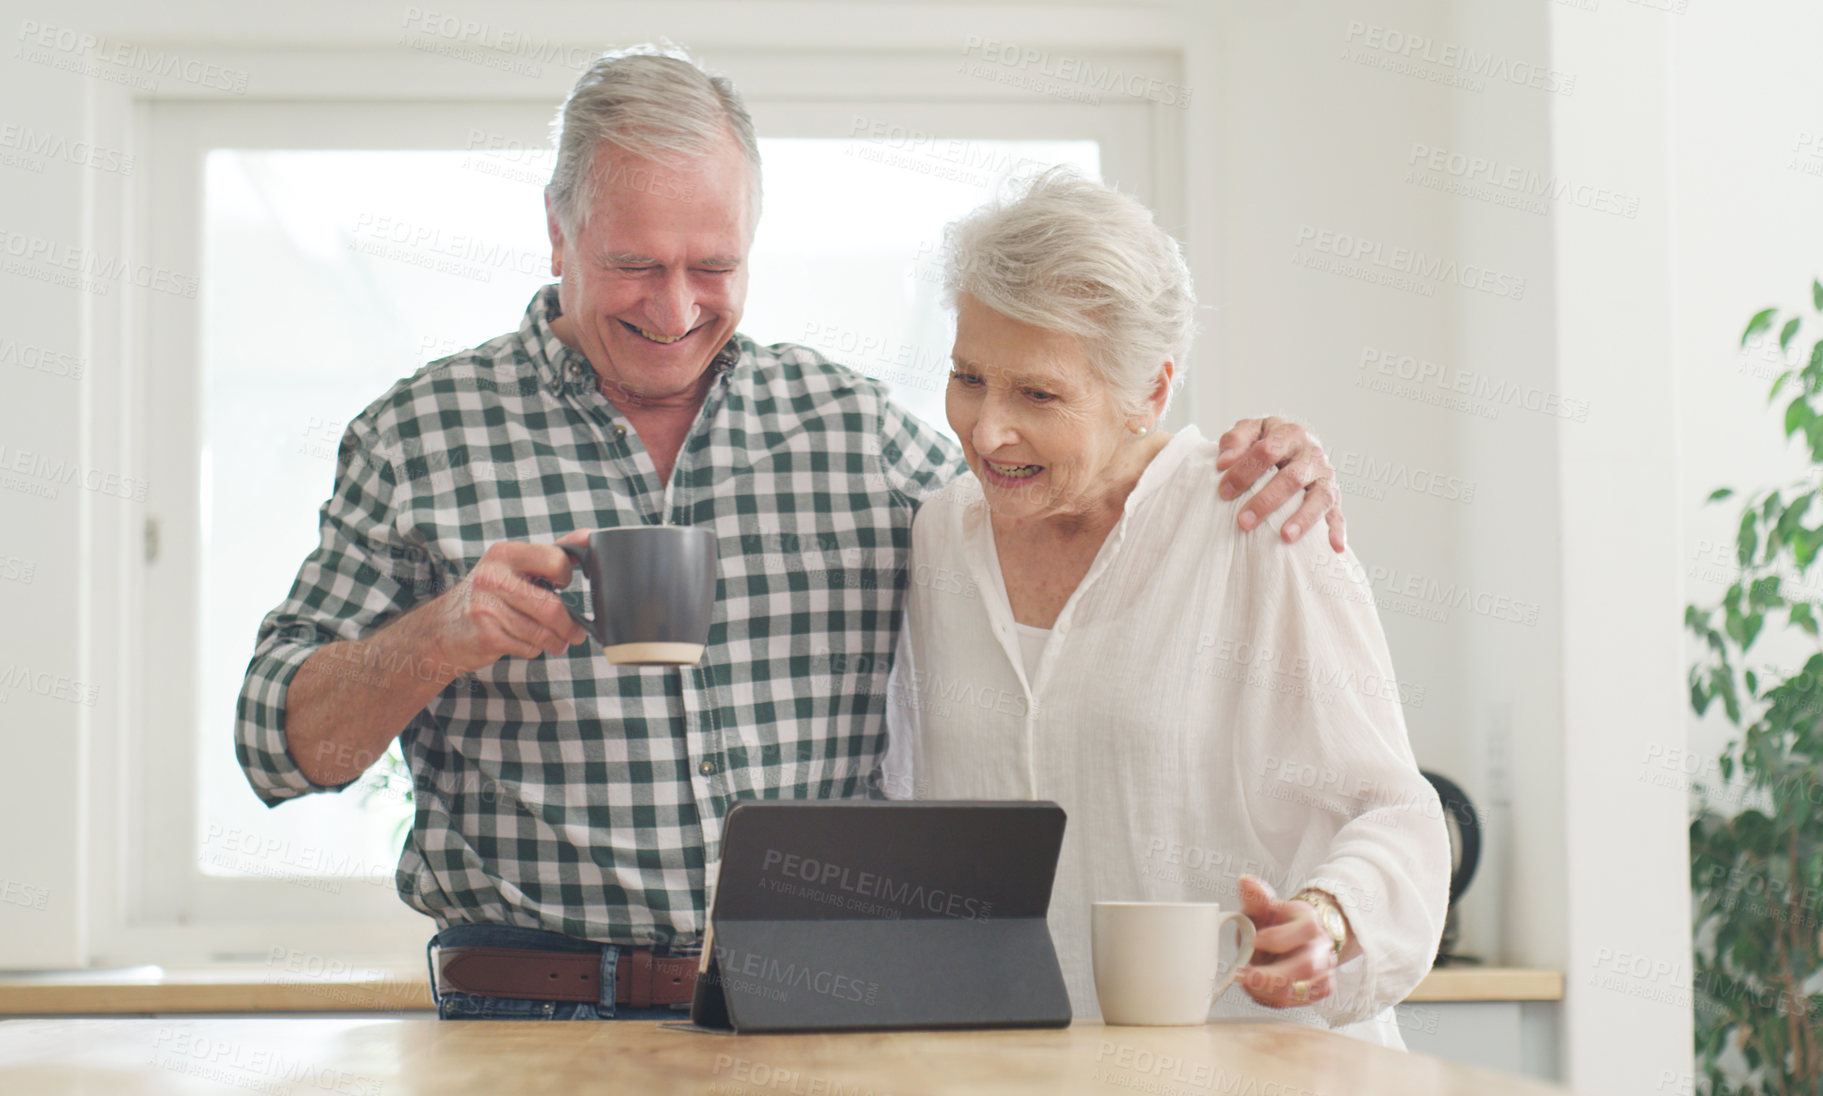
(1248, 519)
(1291, 531)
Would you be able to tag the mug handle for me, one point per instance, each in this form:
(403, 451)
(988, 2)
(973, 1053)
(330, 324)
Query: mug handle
(580, 556)
(1243, 949)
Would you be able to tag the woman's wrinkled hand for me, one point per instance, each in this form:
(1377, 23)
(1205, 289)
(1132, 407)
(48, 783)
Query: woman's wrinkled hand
(1294, 960)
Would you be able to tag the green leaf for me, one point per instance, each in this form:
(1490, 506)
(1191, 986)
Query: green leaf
(1747, 539)
(1786, 332)
(1794, 511)
(1753, 683)
(1760, 322)
(1723, 684)
(1769, 550)
(1816, 294)
(1778, 383)
(1804, 544)
(1797, 416)
(1801, 616)
(1719, 493)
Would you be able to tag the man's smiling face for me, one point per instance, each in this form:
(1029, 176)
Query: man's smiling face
(654, 283)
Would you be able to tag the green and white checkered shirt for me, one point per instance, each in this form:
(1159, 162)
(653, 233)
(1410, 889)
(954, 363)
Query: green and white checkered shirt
(565, 793)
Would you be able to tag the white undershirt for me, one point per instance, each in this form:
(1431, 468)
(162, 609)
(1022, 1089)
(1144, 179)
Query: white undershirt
(1031, 647)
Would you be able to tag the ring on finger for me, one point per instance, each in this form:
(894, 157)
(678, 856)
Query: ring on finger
(1300, 990)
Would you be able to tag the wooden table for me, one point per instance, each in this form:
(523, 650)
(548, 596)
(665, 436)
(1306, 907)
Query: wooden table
(376, 1057)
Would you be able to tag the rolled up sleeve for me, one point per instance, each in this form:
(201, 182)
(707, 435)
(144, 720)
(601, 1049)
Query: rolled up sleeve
(361, 574)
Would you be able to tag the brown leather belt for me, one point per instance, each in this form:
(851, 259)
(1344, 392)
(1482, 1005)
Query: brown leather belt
(641, 979)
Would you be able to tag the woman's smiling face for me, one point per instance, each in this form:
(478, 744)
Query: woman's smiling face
(1040, 428)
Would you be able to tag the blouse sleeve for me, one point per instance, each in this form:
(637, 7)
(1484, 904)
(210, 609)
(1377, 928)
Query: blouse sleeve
(1333, 787)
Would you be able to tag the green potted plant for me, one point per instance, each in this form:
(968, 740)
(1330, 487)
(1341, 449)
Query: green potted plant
(1756, 836)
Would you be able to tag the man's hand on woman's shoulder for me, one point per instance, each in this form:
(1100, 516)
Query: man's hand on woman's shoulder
(1252, 446)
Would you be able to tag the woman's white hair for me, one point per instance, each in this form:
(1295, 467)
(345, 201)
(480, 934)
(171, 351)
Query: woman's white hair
(1072, 255)
(653, 101)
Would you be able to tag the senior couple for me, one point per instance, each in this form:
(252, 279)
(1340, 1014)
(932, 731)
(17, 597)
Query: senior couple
(572, 810)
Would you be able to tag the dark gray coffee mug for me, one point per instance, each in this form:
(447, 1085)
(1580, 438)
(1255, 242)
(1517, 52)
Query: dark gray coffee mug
(652, 589)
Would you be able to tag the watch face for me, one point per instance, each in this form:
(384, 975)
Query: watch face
(1332, 924)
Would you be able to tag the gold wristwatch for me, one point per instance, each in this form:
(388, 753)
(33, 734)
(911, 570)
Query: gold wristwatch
(1329, 916)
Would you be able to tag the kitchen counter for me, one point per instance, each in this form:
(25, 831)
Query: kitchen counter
(301, 986)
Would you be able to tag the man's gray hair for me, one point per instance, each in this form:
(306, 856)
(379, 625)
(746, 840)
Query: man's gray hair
(1072, 255)
(653, 101)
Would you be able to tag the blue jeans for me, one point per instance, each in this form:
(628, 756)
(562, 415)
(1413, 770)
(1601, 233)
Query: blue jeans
(474, 1006)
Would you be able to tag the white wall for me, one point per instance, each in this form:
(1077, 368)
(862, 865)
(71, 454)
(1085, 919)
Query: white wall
(1503, 349)
(1622, 653)
(1313, 140)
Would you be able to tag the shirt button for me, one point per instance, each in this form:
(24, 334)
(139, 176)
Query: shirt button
(575, 369)
(620, 431)
(707, 768)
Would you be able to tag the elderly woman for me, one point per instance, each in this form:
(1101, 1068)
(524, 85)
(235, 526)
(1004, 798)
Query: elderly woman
(1214, 711)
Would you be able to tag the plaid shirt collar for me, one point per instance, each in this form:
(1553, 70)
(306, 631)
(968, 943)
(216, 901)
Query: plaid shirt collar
(563, 368)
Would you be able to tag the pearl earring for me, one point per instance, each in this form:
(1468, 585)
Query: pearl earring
(1142, 431)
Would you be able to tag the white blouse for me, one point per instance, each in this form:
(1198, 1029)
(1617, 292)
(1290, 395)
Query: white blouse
(1210, 703)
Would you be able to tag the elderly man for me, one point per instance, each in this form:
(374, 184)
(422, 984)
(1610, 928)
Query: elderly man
(568, 810)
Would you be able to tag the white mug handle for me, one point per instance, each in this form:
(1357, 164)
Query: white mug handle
(1243, 949)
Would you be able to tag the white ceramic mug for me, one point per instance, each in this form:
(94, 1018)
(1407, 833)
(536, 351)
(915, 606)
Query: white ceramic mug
(1158, 962)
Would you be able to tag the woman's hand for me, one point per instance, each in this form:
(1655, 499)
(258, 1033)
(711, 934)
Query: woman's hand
(1293, 960)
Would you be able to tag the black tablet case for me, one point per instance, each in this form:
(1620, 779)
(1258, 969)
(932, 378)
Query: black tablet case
(856, 915)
